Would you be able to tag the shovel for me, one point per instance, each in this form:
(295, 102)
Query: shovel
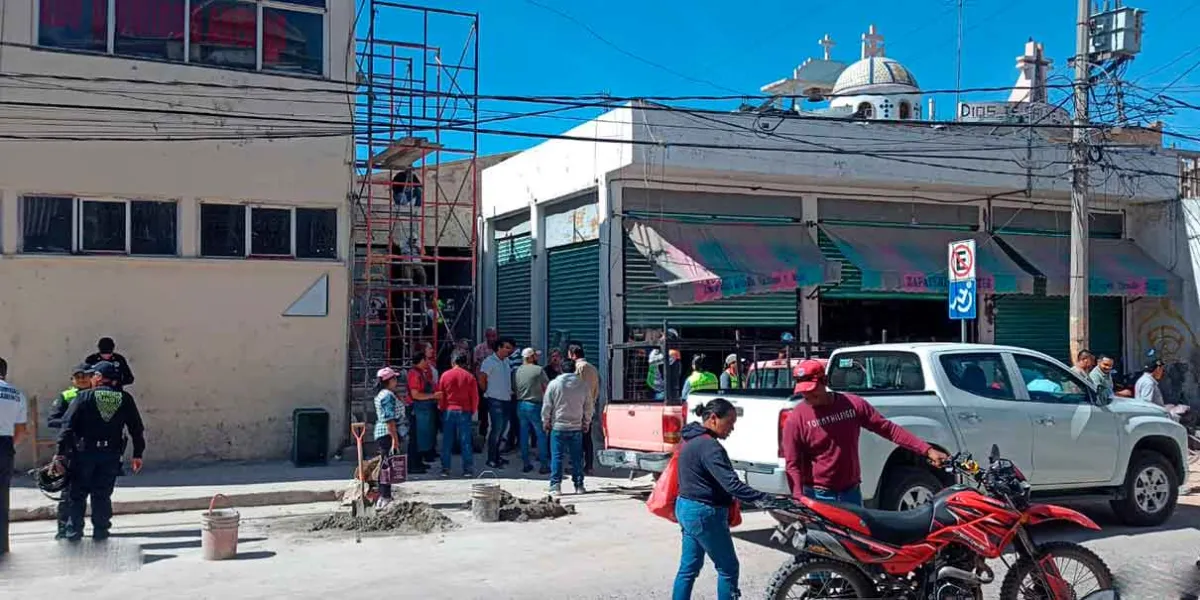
(361, 507)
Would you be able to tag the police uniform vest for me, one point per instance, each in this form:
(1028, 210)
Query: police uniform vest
(69, 394)
(702, 381)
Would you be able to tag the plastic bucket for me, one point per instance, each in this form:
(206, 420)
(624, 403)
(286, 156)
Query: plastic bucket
(485, 501)
(219, 531)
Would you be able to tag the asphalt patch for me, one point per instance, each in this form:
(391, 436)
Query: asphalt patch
(520, 510)
(398, 517)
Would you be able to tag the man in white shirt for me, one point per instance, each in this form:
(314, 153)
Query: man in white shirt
(495, 378)
(13, 411)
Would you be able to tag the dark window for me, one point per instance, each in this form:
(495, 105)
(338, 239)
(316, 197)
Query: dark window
(222, 230)
(270, 232)
(46, 224)
(153, 228)
(224, 33)
(73, 24)
(151, 28)
(316, 233)
(312, 3)
(860, 372)
(293, 41)
(979, 374)
(102, 226)
(1049, 383)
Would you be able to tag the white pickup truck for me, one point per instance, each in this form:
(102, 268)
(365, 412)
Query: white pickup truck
(966, 397)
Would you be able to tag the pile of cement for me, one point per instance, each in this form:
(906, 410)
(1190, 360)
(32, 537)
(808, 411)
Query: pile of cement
(398, 517)
(521, 510)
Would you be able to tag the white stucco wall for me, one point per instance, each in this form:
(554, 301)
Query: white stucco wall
(559, 168)
(1170, 233)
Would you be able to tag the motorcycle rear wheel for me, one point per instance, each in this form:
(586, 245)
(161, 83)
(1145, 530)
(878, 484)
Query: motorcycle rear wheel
(1023, 583)
(789, 582)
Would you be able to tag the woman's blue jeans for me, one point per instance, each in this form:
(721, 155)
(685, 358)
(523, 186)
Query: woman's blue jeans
(705, 532)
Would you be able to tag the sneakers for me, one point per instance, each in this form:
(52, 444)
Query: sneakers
(527, 469)
(469, 474)
(554, 490)
(579, 489)
(493, 464)
(544, 471)
(445, 474)
(100, 535)
(382, 503)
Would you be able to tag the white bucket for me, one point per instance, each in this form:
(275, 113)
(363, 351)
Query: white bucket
(485, 501)
(219, 531)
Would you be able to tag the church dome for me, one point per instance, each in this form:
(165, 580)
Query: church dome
(873, 71)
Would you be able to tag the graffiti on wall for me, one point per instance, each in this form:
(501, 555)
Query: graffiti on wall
(1162, 328)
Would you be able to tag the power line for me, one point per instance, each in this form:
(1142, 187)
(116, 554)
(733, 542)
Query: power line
(614, 46)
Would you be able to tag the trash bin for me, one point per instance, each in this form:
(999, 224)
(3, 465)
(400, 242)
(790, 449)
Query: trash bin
(310, 437)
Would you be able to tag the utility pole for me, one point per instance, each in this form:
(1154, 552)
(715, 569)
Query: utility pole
(1079, 183)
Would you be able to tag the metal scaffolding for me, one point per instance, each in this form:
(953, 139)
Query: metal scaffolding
(415, 208)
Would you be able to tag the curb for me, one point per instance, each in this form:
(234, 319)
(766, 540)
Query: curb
(141, 507)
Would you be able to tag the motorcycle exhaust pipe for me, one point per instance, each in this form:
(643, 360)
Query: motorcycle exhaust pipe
(967, 576)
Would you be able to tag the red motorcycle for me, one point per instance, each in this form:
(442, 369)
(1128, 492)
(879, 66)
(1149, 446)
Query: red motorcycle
(938, 551)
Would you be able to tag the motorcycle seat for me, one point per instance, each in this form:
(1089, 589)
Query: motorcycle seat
(897, 528)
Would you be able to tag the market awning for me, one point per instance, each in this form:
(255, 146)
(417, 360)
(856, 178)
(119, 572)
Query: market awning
(702, 262)
(1116, 267)
(914, 260)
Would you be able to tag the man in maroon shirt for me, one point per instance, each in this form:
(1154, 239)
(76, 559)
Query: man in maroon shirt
(820, 439)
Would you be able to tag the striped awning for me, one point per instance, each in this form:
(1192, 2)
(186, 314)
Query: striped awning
(1116, 267)
(703, 262)
(914, 260)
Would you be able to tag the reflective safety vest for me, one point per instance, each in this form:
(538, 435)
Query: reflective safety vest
(702, 381)
(69, 394)
(735, 381)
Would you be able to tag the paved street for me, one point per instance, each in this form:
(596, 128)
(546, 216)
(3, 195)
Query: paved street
(611, 549)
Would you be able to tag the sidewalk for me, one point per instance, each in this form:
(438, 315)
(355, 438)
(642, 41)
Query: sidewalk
(273, 484)
(191, 488)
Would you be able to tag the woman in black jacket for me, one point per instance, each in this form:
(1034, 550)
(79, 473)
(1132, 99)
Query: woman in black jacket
(707, 488)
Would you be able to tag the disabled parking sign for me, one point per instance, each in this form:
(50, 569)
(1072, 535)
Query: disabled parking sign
(963, 291)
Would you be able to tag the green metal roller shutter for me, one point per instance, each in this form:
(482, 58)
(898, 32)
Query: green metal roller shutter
(514, 284)
(574, 295)
(646, 303)
(1041, 323)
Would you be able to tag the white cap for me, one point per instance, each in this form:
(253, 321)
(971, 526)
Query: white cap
(528, 353)
(731, 359)
(656, 356)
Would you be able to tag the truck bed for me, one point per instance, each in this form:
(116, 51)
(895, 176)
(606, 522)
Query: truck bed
(641, 435)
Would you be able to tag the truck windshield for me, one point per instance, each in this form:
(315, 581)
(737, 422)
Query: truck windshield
(876, 372)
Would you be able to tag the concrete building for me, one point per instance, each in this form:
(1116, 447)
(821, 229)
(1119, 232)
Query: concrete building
(177, 178)
(831, 226)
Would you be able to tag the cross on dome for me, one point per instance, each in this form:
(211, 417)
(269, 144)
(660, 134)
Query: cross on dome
(872, 43)
(827, 43)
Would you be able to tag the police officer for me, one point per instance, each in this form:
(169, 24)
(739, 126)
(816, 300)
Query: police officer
(12, 428)
(81, 379)
(107, 352)
(92, 434)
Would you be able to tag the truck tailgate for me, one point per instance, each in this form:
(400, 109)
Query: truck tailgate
(755, 438)
(640, 426)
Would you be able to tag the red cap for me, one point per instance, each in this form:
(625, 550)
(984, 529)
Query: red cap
(808, 375)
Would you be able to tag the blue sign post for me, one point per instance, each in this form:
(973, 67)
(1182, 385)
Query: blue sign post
(963, 290)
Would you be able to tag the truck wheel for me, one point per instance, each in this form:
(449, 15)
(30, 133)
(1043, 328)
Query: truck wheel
(1150, 490)
(906, 488)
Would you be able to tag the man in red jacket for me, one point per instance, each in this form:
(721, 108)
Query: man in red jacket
(820, 439)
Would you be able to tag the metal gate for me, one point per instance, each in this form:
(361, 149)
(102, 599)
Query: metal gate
(1041, 323)
(573, 292)
(514, 284)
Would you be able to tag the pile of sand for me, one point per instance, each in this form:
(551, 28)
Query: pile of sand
(398, 517)
(521, 510)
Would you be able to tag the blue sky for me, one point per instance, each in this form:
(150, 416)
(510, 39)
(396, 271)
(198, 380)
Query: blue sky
(722, 47)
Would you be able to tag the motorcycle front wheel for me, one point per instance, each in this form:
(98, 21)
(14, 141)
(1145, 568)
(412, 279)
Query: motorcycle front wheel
(807, 579)
(1079, 567)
